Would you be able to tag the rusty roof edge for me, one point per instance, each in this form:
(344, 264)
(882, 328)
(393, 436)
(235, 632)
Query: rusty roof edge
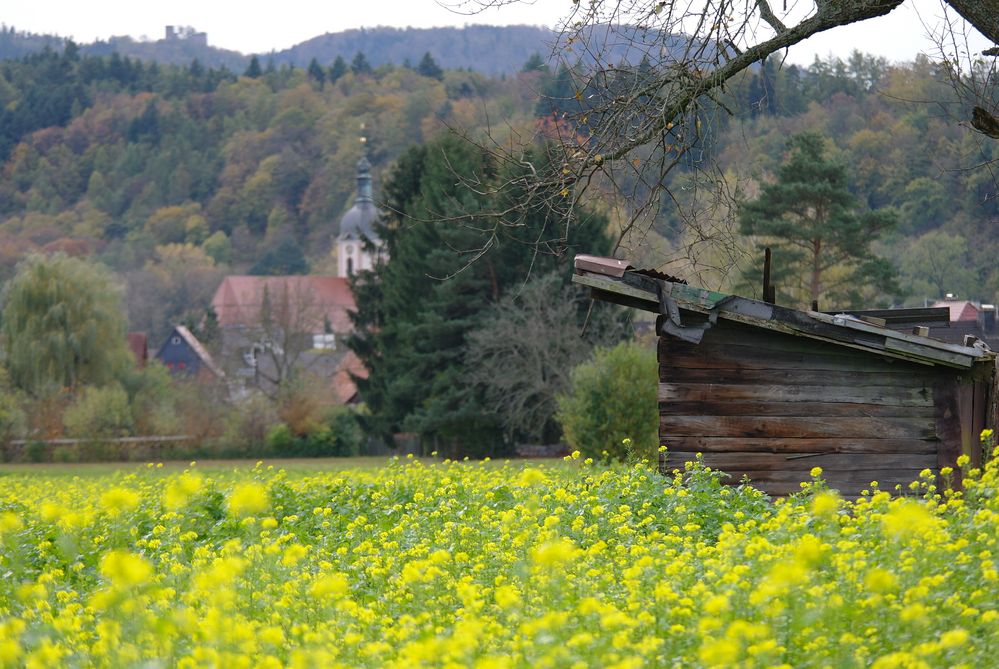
(614, 267)
(703, 300)
(763, 314)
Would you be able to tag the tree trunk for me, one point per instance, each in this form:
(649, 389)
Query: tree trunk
(494, 283)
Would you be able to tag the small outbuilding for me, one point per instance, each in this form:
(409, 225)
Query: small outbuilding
(767, 392)
(184, 355)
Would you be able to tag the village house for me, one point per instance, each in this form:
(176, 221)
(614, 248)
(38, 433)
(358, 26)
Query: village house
(183, 355)
(273, 327)
(960, 318)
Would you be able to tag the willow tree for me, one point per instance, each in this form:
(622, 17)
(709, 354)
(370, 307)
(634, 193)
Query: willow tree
(63, 325)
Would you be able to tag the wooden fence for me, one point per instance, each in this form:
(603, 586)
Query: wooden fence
(110, 448)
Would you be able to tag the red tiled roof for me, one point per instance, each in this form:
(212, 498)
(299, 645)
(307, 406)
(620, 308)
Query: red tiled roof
(343, 384)
(960, 310)
(238, 299)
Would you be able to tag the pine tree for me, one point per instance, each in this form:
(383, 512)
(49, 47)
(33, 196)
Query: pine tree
(360, 65)
(253, 70)
(558, 94)
(146, 127)
(317, 73)
(810, 213)
(337, 69)
(535, 64)
(428, 67)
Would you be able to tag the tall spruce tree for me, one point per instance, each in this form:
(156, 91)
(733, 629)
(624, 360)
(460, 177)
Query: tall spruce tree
(811, 216)
(337, 69)
(428, 67)
(317, 73)
(445, 270)
(253, 70)
(360, 65)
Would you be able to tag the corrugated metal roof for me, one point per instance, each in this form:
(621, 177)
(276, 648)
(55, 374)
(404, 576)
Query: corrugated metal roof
(664, 296)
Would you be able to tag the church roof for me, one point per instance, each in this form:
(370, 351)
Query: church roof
(319, 299)
(359, 220)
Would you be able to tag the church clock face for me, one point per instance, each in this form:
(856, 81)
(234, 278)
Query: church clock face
(350, 249)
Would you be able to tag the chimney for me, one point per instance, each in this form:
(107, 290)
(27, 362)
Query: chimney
(989, 318)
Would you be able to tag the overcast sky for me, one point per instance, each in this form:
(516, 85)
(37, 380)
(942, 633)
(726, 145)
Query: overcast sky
(256, 26)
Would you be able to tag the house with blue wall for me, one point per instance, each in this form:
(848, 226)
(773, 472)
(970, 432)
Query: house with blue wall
(183, 354)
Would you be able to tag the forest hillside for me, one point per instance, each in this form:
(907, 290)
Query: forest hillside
(174, 175)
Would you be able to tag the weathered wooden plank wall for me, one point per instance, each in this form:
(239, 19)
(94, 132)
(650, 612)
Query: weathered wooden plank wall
(772, 406)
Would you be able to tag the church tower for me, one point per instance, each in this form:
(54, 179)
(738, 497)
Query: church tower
(357, 227)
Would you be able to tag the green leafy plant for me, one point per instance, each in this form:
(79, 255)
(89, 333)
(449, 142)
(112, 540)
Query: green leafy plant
(611, 410)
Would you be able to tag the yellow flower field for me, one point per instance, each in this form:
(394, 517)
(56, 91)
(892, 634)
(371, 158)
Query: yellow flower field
(476, 565)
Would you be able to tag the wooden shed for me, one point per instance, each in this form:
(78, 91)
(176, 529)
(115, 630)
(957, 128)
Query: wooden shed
(768, 392)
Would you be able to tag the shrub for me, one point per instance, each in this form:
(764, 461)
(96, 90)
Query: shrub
(301, 403)
(338, 435)
(346, 431)
(13, 422)
(154, 397)
(35, 451)
(247, 427)
(99, 413)
(206, 415)
(611, 407)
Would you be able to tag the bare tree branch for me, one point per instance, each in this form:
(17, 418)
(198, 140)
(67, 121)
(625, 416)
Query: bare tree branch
(625, 127)
(625, 131)
(767, 15)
